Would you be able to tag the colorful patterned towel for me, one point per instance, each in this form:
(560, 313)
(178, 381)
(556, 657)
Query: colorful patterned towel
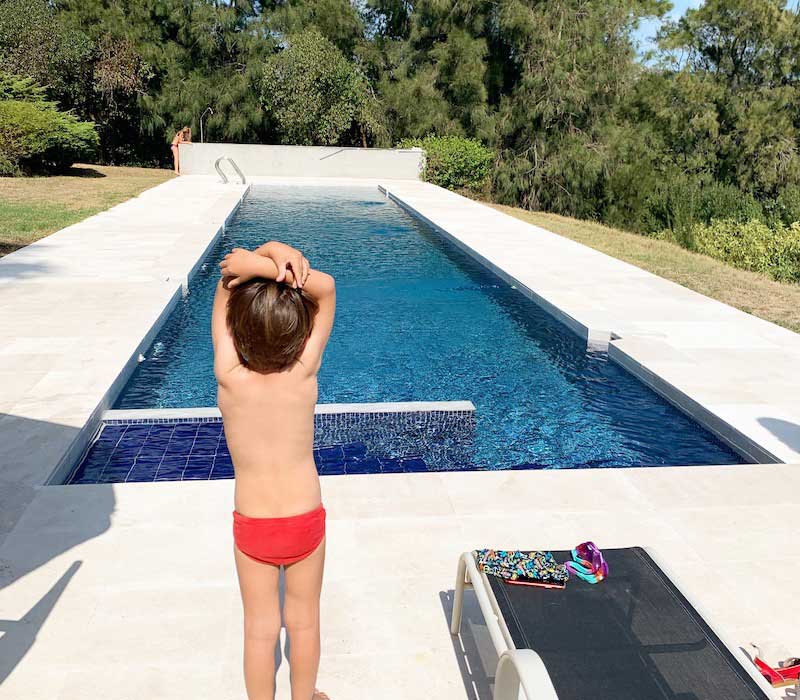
(514, 564)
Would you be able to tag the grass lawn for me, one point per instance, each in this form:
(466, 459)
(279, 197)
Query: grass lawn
(33, 207)
(749, 291)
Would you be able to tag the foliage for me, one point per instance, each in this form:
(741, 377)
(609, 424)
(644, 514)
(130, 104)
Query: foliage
(737, 89)
(573, 65)
(578, 124)
(785, 208)
(315, 96)
(15, 87)
(752, 246)
(454, 162)
(337, 20)
(37, 42)
(752, 292)
(34, 135)
(153, 66)
(433, 66)
(676, 204)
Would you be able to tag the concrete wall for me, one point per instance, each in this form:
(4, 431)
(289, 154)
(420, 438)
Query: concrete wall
(303, 161)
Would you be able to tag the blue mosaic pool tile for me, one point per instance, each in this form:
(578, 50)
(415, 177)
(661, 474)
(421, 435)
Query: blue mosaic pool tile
(223, 457)
(354, 450)
(329, 453)
(391, 465)
(152, 451)
(331, 468)
(414, 464)
(171, 468)
(178, 447)
(198, 467)
(345, 443)
(204, 446)
(114, 475)
(111, 431)
(362, 465)
(145, 469)
(96, 461)
(222, 469)
(121, 457)
(209, 430)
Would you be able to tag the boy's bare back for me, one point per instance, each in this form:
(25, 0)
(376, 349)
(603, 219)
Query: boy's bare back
(269, 417)
(269, 426)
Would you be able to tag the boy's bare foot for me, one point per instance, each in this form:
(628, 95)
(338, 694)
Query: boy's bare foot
(319, 695)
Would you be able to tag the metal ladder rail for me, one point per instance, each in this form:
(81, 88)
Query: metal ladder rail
(219, 170)
(238, 171)
(224, 177)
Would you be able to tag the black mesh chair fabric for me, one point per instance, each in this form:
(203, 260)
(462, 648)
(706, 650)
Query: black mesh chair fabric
(631, 637)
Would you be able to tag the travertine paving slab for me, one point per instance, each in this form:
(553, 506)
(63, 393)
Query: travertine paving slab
(137, 581)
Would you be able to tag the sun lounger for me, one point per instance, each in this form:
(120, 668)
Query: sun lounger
(634, 636)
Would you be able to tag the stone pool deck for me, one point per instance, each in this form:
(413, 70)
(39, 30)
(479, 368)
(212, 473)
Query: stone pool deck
(128, 591)
(76, 307)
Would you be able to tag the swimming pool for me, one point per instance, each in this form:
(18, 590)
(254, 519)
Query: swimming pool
(419, 320)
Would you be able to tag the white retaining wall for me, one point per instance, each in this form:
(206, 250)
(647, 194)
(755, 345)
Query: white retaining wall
(303, 161)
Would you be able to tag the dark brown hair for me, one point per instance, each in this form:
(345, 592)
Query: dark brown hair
(270, 323)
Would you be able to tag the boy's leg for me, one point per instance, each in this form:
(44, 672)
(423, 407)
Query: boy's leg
(258, 583)
(301, 616)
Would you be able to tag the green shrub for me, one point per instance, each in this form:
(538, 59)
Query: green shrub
(719, 201)
(752, 246)
(34, 135)
(678, 204)
(671, 209)
(454, 162)
(785, 208)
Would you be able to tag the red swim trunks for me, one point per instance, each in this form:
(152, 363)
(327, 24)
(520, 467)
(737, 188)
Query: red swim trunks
(279, 541)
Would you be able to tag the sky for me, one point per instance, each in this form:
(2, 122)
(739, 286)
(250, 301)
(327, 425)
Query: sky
(648, 29)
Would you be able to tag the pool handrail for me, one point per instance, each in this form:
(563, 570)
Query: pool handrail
(224, 177)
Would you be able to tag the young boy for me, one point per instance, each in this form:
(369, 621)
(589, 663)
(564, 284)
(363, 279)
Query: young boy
(271, 321)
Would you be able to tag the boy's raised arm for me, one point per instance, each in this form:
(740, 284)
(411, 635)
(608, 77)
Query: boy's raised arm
(287, 259)
(288, 265)
(282, 263)
(225, 355)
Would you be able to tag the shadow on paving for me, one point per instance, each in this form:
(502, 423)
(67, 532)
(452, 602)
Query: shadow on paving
(38, 524)
(788, 433)
(14, 269)
(19, 635)
(472, 647)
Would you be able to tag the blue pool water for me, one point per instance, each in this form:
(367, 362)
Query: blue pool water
(418, 320)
